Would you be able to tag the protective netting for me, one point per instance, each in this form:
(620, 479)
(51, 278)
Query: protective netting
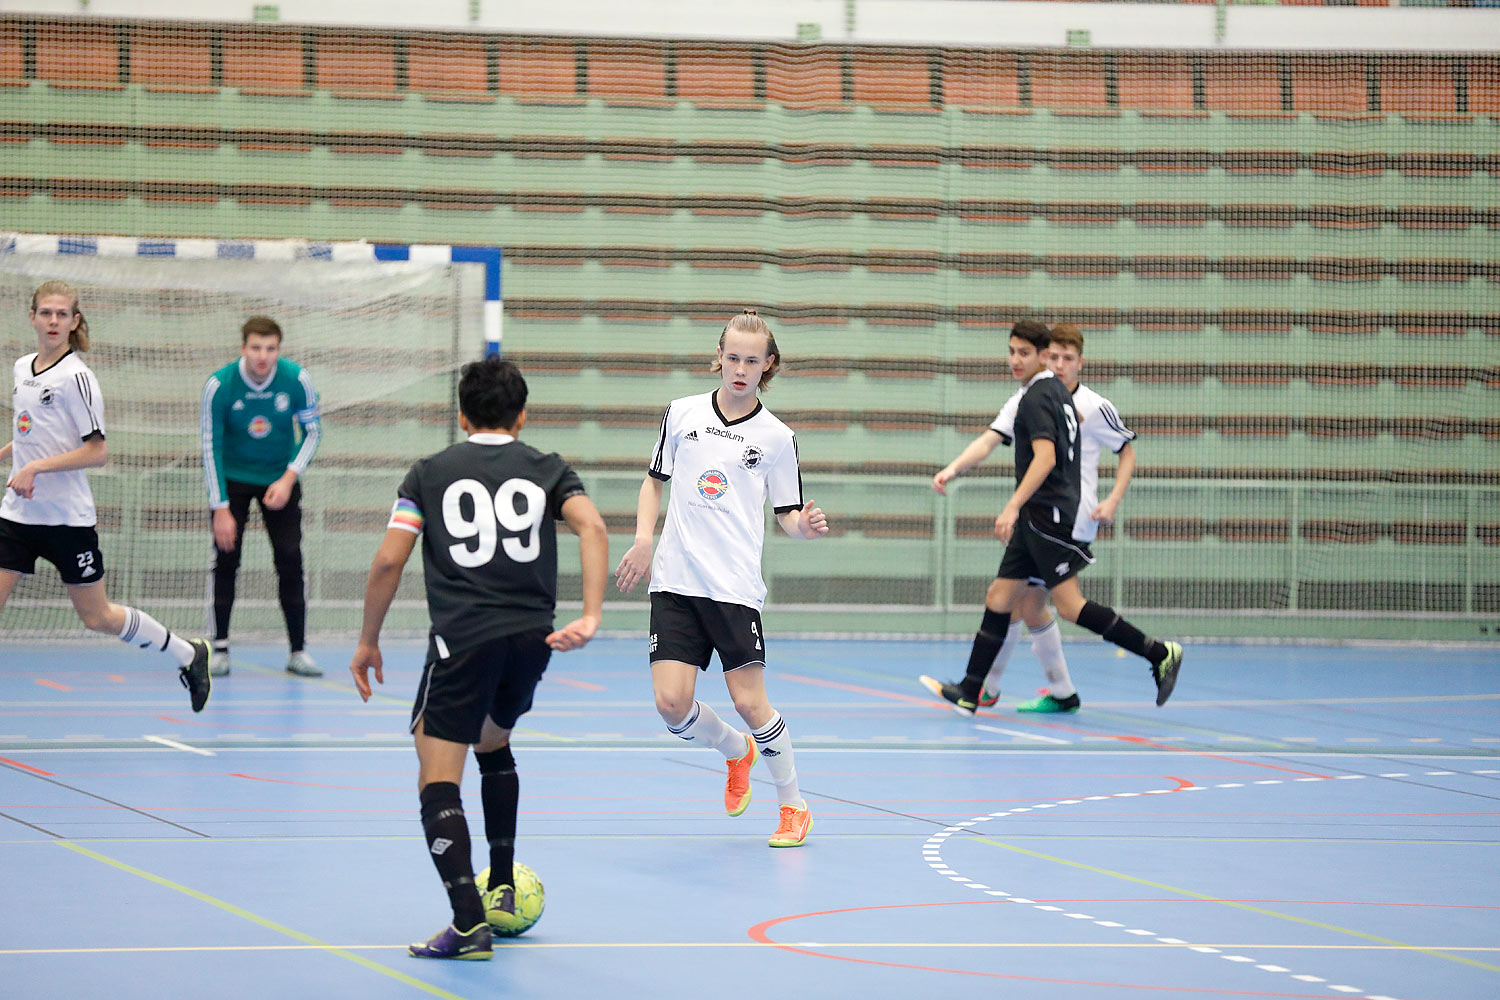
(381, 342)
(1284, 265)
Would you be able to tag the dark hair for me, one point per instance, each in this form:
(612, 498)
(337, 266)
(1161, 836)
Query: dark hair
(491, 393)
(1034, 332)
(265, 326)
(749, 321)
(1068, 335)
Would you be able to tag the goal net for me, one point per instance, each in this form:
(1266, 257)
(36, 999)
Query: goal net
(382, 342)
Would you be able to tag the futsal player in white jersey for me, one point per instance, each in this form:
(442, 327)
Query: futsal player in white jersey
(1099, 427)
(57, 434)
(727, 455)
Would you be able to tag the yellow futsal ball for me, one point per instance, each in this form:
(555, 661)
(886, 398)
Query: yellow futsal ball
(528, 902)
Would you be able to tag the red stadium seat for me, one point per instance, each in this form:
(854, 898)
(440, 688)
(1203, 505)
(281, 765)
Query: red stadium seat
(357, 65)
(1330, 85)
(1484, 84)
(805, 77)
(264, 61)
(12, 60)
(631, 72)
(1418, 87)
(539, 69)
(716, 75)
(1155, 82)
(452, 67)
(172, 58)
(897, 79)
(1069, 82)
(79, 54)
(985, 81)
(1242, 83)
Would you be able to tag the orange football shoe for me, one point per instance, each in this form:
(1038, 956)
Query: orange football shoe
(737, 785)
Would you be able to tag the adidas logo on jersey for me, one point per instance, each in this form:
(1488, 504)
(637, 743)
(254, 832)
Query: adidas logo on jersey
(691, 436)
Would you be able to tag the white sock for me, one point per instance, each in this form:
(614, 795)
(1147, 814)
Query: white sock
(145, 632)
(1002, 658)
(775, 745)
(704, 726)
(1046, 642)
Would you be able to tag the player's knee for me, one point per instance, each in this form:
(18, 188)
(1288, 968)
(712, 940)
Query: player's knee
(98, 620)
(673, 706)
(500, 761)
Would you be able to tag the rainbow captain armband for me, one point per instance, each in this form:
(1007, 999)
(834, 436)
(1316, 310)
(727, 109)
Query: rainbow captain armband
(406, 516)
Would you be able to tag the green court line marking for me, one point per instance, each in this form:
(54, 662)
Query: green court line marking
(1262, 911)
(307, 939)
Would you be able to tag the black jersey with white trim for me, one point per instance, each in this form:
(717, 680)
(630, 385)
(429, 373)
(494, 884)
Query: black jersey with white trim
(486, 509)
(1047, 411)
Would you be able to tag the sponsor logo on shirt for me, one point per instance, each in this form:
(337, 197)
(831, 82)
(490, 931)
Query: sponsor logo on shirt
(283, 402)
(718, 432)
(259, 427)
(713, 485)
(751, 456)
(23, 423)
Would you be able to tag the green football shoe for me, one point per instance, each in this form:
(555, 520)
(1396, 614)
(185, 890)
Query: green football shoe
(1050, 705)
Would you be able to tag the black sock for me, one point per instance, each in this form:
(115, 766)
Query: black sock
(1105, 622)
(987, 643)
(499, 789)
(448, 844)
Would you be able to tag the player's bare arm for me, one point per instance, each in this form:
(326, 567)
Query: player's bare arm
(593, 557)
(635, 565)
(92, 454)
(380, 590)
(5, 451)
(807, 523)
(1105, 512)
(1043, 458)
(974, 453)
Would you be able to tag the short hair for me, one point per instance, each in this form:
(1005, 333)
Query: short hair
(1032, 331)
(263, 326)
(749, 321)
(78, 339)
(1067, 335)
(491, 393)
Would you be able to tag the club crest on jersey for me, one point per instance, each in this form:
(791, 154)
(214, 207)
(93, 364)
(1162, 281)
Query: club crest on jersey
(47, 395)
(751, 456)
(23, 423)
(283, 402)
(259, 427)
(713, 485)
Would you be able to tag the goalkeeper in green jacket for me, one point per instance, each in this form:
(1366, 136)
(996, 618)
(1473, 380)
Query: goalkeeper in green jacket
(260, 432)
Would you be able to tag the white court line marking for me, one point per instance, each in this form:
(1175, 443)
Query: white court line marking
(178, 746)
(1022, 733)
(935, 841)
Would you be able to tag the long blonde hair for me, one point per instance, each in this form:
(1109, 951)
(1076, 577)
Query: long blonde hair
(78, 338)
(749, 321)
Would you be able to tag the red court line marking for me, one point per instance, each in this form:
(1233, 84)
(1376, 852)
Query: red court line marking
(1282, 902)
(117, 678)
(44, 682)
(314, 784)
(581, 685)
(1140, 740)
(759, 934)
(27, 767)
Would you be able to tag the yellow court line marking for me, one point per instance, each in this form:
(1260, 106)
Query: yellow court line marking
(1433, 952)
(581, 945)
(271, 925)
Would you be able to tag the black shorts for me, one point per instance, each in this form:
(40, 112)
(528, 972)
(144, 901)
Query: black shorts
(691, 629)
(74, 551)
(1037, 555)
(496, 678)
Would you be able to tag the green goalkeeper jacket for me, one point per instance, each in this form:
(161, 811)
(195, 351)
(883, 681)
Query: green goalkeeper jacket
(255, 433)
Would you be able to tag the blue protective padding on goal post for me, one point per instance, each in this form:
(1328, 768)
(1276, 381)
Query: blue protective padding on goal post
(198, 248)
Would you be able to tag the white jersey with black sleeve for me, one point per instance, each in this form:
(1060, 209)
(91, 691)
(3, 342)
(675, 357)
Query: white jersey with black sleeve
(723, 472)
(1100, 426)
(53, 412)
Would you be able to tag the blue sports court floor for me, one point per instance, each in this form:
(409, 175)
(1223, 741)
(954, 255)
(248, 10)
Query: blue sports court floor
(1296, 822)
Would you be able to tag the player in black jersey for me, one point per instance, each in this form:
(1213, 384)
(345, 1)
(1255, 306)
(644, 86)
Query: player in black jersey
(485, 510)
(1037, 527)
